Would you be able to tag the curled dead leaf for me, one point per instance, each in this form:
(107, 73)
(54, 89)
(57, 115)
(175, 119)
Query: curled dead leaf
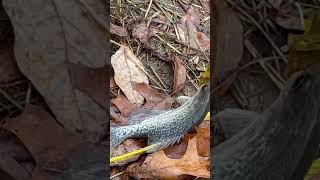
(203, 143)
(180, 74)
(154, 99)
(146, 91)
(158, 165)
(124, 106)
(128, 69)
(188, 33)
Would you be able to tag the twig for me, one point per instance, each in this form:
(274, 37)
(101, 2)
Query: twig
(309, 5)
(116, 175)
(168, 44)
(113, 42)
(149, 6)
(258, 61)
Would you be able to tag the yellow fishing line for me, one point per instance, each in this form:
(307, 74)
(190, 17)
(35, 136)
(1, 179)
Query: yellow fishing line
(130, 154)
(207, 116)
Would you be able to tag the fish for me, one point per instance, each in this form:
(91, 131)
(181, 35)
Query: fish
(281, 142)
(164, 128)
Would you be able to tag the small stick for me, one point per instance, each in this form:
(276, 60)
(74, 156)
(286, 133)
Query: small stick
(149, 6)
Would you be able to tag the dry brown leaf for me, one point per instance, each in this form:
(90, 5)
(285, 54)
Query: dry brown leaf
(179, 149)
(146, 91)
(43, 54)
(229, 45)
(118, 30)
(12, 168)
(127, 69)
(203, 143)
(187, 31)
(159, 166)
(91, 81)
(180, 75)
(55, 148)
(124, 106)
(164, 104)
(39, 132)
(154, 99)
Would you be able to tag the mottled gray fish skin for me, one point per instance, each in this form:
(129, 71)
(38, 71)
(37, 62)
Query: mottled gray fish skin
(168, 127)
(281, 142)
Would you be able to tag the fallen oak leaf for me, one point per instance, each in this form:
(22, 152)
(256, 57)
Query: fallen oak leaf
(187, 31)
(41, 56)
(154, 99)
(33, 128)
(12, 168)
(147, 92)
(124, 105)
(158, 165)
(91, 81)
(203, 143)
(162, 105)
(56, 149)
(127, 69)
(229, 42)
(180, 75)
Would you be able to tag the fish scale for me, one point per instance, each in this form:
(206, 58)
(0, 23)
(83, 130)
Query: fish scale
(167, 128)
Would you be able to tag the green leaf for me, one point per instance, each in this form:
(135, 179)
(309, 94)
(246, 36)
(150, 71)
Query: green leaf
(205, 76)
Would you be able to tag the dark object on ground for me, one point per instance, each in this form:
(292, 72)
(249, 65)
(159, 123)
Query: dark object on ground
(281, 142)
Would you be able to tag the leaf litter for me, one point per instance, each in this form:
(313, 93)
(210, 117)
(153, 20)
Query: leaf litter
(272, 46)
(53, 115)
(170, 41)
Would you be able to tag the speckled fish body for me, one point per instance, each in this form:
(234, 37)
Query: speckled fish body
(168, 127)
(281, 142)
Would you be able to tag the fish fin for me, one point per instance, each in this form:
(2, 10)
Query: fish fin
(163, 143)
